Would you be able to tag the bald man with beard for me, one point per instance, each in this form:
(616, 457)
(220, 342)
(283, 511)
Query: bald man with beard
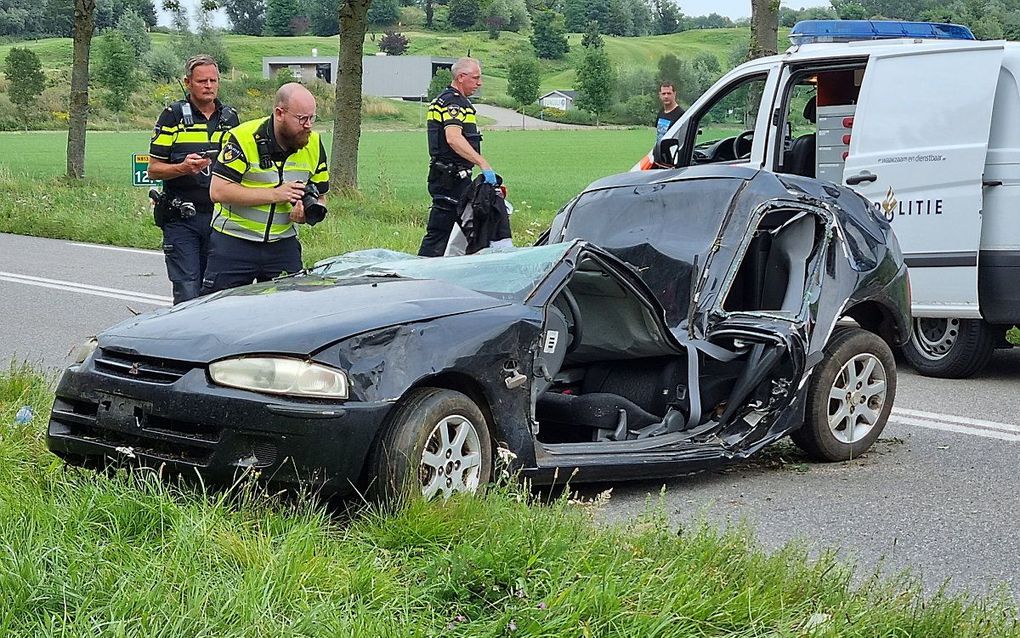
(259, 179)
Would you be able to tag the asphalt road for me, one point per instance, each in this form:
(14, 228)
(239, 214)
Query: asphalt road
(939, 494)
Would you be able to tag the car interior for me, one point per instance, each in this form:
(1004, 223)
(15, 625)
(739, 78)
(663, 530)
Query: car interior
(815, 146)
(608, 372)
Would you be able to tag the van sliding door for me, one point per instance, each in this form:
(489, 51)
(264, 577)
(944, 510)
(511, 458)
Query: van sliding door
(918, 140)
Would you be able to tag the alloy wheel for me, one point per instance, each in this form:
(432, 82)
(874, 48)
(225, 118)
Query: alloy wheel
(451, 461)
(856, 398)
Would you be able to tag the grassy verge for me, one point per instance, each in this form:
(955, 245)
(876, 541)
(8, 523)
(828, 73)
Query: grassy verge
(88, 555)
(390, 212)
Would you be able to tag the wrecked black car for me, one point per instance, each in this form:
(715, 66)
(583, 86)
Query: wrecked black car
(670, 321)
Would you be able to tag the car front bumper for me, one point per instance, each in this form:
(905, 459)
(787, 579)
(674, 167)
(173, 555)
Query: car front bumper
(169, 415)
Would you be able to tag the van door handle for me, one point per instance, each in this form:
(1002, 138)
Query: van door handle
(863, 176)
(988, 182)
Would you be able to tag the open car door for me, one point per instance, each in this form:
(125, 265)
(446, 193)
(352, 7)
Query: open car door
(917, 150)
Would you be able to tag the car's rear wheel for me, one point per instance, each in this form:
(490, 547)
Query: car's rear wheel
(949, 348)
(436, 443)
(850, 396)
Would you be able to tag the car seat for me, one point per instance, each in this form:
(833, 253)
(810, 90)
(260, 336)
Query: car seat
(800, 159)
(786, 270)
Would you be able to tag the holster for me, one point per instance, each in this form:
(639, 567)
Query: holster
(161, 212)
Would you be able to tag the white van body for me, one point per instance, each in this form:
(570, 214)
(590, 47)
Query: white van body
(929, 131)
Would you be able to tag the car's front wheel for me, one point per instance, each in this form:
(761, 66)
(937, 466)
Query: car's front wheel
(849, 398)
(436, 442)
(949, 348)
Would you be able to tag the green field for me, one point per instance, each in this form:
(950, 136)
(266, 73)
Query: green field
(543, 170)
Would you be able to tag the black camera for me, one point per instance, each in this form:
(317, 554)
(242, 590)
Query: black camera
(314, 211)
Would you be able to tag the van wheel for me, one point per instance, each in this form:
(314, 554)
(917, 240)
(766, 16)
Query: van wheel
(949, 348)
(849, 397)
(436, 443)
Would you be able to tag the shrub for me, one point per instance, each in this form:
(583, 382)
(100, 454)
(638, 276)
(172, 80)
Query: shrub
(440, 81)
(162, 64)
(393, 43)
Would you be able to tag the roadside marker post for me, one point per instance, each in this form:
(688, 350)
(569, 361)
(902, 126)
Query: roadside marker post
(140, 170)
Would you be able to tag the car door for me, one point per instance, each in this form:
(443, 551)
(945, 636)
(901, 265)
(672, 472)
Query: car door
(918, 141)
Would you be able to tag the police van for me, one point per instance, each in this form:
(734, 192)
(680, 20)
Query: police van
(921, 119)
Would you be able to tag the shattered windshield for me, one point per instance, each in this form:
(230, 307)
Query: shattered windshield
(507, 273)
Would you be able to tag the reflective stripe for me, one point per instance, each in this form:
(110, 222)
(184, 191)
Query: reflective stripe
(250, 222)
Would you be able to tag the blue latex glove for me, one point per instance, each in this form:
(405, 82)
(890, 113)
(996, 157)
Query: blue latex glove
(490, 176)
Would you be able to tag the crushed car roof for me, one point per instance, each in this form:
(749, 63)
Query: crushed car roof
(667, 223)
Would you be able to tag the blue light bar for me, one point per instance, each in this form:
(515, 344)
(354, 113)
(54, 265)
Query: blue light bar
(808, 31)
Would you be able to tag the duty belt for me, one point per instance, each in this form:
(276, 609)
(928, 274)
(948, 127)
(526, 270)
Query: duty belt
(452, 168)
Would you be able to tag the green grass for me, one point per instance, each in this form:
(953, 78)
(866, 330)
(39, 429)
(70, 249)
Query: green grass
(390, 212)
(92, 555)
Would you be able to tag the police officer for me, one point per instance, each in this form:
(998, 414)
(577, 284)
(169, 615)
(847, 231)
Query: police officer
(261, 188)
(184, 131)
(455, 148)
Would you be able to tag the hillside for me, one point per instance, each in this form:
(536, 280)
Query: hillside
(246, 52)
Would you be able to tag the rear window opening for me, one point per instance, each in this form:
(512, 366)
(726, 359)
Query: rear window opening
(773, 273)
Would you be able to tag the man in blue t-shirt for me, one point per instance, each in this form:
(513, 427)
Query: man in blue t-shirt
(670, 112)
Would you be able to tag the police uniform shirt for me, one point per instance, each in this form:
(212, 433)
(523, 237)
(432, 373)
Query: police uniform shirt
(173, 140)
(665, 120)
(452, 108)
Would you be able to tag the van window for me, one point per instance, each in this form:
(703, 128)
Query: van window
(725, 130)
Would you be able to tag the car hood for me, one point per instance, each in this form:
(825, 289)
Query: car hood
(296, 316)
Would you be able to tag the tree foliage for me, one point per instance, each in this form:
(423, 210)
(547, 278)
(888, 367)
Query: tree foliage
(324, 17)
(525, 77)
(285, 17)
(115, 69)
(393, 43)
(132, 27)
(25, 77)
(205, 39)
(247, 17)
(618, 19)
(666, 17)
(548, 35)
(463, 14)
(596, 82)
(383, 13)
(592, 39)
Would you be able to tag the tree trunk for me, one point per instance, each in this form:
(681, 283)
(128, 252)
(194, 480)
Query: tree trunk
(78, 111)
(429, 10)
(764, 28)
(347, 111)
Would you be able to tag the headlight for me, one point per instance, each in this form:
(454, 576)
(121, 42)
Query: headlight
(280, 376)
(80, 352)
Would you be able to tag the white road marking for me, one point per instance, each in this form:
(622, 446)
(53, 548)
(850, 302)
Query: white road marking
(87, 289)
(125, 250)
(957, 424)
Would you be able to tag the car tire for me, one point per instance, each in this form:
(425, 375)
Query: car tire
(418, 453)
(949, 348)
(850, 396)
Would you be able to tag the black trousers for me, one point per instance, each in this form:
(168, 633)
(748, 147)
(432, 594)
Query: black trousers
(185, 249)
(446, 188)
(238, 262)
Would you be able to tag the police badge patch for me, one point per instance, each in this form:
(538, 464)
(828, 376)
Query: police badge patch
(454, 112)
(231, 152)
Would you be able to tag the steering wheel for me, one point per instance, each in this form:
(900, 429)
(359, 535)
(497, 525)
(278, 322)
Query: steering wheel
(742, 144)
(573, 321)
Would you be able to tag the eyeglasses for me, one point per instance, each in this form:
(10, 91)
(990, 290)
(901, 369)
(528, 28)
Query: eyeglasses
(303, 120)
